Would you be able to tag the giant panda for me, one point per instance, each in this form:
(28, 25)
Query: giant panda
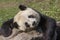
(27, 20)
(33, 19)
(38, 21)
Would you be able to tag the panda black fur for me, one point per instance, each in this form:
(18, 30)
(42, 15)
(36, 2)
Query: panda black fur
(7, 27)
(43, 24)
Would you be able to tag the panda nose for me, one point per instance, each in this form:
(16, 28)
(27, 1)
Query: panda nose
(26, 24)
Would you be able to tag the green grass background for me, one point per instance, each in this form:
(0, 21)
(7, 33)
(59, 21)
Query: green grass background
(8, 8)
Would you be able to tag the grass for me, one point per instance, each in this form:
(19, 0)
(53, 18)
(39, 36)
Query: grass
(8, 8)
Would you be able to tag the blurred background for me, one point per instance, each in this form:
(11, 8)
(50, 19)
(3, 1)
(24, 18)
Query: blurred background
(9, 8)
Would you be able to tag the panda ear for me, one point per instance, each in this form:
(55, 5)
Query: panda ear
(22, 7)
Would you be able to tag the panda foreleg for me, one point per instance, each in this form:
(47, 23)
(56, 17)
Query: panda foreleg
(50, 31)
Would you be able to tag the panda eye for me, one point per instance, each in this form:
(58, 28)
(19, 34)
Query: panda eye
(31, 16)
(26, 24)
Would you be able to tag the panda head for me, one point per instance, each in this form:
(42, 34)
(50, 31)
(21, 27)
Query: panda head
(26, 18)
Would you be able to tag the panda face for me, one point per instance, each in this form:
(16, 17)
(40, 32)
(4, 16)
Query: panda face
(27, 19)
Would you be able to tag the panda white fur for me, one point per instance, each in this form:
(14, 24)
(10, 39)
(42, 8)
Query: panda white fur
(31, 21)
(27, 18)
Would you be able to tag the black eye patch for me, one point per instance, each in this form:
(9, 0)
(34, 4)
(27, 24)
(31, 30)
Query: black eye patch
(34, 23)
(26, 24)
(31, 16)
(15, 25)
